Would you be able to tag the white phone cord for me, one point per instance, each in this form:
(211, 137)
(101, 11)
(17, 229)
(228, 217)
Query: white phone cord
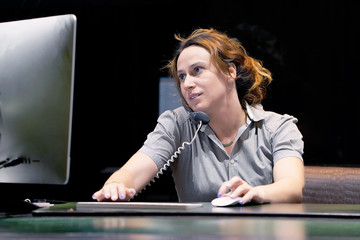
(171, 160)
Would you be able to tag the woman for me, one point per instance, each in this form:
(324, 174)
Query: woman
(243, 151)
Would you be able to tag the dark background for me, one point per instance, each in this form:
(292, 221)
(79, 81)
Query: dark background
(310, 47)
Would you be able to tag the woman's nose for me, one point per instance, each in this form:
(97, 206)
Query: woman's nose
(189, 82)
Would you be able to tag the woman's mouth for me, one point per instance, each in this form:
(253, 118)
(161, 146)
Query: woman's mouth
(194, 96)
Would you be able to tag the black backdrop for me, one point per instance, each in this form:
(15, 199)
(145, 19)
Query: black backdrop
(310, 47)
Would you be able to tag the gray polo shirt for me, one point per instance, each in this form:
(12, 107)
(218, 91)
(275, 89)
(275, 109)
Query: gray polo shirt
(202, 167)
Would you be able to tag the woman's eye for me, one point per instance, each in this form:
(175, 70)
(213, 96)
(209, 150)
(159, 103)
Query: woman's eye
(197, 69)
(181, 77)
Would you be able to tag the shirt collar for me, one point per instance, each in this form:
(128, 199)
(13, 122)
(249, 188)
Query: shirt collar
(255, 113)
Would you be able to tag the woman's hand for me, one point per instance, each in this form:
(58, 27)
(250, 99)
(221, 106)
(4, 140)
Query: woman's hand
(133, 176)
(114, 191)
(236, 187)
(287, 187)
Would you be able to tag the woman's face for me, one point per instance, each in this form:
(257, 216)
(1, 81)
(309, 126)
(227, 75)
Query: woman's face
(202, 85)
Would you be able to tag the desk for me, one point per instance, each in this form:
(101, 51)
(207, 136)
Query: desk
(343, 222)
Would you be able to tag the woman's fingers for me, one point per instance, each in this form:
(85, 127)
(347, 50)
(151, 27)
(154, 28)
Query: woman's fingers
(224, 188)
(130, 193)
(236, 187)
(98, 196)
(240, 190)
(114, 192)
(228, 187)
(119, 192)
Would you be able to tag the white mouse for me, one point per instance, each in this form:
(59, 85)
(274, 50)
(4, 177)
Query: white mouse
(225, 201)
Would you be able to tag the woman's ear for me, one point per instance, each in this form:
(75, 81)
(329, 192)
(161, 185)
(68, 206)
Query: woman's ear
(232, 71)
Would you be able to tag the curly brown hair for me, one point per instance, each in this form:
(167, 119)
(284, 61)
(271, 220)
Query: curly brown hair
(252, 78)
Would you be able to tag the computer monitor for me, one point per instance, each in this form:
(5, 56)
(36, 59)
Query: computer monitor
(37, 59)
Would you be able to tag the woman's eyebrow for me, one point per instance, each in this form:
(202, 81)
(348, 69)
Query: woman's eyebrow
(192, 65)
(196, 63)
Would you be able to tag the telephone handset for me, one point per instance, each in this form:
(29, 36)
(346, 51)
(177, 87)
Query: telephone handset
(199, 119)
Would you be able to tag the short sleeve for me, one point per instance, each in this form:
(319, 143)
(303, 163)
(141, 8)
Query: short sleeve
(286, 138)
(161, 143)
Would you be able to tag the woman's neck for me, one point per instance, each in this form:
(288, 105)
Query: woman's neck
(226, 122)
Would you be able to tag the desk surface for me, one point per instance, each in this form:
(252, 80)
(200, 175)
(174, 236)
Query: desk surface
(192, 226)
(172, 227)
(269, 210)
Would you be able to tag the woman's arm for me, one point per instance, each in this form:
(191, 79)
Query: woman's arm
(129, 179)
(287, 187)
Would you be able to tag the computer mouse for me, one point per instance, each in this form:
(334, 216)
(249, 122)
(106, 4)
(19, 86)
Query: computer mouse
(225, 201)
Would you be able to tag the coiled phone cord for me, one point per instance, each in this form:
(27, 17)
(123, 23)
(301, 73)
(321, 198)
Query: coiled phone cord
(172, 158)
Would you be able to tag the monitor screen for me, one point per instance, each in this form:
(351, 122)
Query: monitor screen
(37, 59)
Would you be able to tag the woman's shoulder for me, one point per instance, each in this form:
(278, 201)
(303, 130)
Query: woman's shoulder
(280, 124)
(271, 120)
(274, 118)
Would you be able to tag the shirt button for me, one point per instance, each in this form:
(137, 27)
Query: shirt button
(232, 161)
